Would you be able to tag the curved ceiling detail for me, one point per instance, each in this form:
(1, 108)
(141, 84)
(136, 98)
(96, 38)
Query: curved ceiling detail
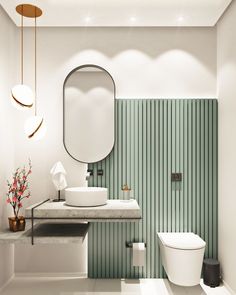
(122, 13)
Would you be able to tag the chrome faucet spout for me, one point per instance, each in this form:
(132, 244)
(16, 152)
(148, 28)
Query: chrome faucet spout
(89, 174)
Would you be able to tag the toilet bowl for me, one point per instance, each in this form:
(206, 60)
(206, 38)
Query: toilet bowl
(182, 257)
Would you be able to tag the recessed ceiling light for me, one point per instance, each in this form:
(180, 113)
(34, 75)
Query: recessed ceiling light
(133, 19)
(180, 18)
(87, 19)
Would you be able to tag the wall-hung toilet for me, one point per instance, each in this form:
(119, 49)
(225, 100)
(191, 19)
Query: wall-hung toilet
(182, 257)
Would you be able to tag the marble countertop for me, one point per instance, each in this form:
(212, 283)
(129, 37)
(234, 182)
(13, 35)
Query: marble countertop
(56, 222)
(114, 210)
(47, 233)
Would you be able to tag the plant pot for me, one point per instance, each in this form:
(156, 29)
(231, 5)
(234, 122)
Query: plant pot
(16, 224)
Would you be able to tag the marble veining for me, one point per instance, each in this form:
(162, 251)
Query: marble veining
(114, 210)
(47, 233)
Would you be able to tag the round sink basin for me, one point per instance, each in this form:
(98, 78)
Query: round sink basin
(85, 196)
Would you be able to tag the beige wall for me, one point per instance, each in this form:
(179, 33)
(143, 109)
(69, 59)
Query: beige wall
(7, 143)
(226, 48)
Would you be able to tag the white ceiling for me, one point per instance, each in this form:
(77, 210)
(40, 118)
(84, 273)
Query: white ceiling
(74, 13)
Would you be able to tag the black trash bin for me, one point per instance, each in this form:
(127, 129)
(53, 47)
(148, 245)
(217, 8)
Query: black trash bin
(211, 272)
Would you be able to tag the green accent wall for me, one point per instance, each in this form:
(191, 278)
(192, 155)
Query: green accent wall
(155, 137)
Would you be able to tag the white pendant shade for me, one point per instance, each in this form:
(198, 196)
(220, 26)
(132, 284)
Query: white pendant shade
(22, 96)
(35, 127)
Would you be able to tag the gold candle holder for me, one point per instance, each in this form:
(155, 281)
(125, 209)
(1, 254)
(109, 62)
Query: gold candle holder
(126, 192)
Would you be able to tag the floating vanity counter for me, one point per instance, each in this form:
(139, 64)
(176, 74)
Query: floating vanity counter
(113, 211)
(47, 233)
(55, 222)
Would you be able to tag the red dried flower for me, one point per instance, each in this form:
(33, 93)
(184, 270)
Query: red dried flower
(17, 188)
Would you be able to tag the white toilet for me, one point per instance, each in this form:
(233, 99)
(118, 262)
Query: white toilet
(182, 257)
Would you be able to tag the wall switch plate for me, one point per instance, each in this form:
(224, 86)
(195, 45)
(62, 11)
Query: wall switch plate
(100, 172)
(176, 176)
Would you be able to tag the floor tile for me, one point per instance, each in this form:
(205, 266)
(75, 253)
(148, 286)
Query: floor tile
(221, 290)
(49, 286)
(83, 286)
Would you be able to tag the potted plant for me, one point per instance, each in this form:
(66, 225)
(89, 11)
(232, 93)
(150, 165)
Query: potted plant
(18, 190)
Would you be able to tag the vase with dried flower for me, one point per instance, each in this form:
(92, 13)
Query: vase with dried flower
(18, 189)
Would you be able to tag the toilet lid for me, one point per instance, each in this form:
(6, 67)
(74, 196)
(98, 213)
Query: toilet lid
(183, 241)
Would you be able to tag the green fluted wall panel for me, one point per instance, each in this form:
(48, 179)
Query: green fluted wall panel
(155, 137)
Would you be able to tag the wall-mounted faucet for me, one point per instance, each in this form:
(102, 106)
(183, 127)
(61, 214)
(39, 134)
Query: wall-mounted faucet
(89, 174)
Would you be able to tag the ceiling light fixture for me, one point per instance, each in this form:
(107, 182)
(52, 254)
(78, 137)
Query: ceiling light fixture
(34, 126)
(21, 94)
(180, 18)
(133, 19)
(87, 19)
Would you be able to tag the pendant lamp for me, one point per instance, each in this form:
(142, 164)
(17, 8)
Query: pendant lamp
(22, 95)
(35, 127)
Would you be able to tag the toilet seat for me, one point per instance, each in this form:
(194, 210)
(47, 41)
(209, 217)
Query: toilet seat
(182, 241)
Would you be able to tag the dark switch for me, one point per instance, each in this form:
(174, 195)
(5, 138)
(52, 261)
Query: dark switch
(100, 172)
(176, 176)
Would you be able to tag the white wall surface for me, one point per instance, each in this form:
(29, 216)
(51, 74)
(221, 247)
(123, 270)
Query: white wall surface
(226, 48)
(51, 258)
(7, 114)
(144, 62)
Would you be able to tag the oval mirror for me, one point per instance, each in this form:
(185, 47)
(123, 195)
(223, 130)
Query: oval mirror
(88, 113)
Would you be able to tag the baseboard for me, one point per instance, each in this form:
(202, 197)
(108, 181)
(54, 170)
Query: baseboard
(7, 282)
(51, 274)
(228, 288)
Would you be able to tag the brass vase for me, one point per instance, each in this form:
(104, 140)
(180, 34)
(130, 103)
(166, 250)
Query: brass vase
(16, 224)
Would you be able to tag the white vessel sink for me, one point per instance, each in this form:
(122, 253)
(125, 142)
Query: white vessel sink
(86, 196)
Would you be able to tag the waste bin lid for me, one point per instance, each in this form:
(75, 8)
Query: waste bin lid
(183, 241)
(211, 261)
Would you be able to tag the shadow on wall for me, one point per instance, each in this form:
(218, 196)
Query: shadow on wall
(164, 38)
(153, 42)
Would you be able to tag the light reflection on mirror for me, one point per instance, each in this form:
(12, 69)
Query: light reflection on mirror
(89, 109)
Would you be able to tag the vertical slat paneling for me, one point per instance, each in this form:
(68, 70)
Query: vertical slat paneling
(202, 183)
(206, 173)
(153, 183)
(181, 162)
(177, 165)
(215, 180)
(173, 166)
(185, 166)
(210, 180)
(198, 167)
(155, 137)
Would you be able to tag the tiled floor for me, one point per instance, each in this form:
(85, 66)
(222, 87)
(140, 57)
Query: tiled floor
(82, 286)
